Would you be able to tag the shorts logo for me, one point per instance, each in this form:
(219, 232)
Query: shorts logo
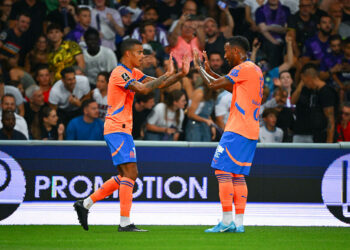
(133, 153)
(336, 188)
(12, 185)
(125, 76)
(218, 151)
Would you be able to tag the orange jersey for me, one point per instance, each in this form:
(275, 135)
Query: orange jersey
(120, 99)
(248, 82)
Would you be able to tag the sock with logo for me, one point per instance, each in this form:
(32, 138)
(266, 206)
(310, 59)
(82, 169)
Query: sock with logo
(105, 190)
(125, 197)
(225, 194)
(240, 197)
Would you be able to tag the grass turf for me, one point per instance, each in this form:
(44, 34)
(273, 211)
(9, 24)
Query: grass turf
(172, 237)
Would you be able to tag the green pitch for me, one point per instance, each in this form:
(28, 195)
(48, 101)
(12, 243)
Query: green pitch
(172, 237)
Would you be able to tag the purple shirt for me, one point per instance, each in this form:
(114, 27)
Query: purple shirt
(76, 34)
(315, 49)
(330, 60)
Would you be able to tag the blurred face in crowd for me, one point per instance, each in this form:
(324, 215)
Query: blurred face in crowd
(100, 3)
(63, 3)
(181, 103)
(210, 28)
(305, 7)
(101, 83)
(9, 103)
(336, 46)
(93, 43)
(55, 35)
(43, 77)
(91, 110)
(149, 104)
(187, 30)
(347, 50)
(52, 118)
(273, 3)
(8, 121)
(215, 62)
(151, 15)
(326, 25)
(281, 98)
(190, 8)
(127, 19)
(23, 23)
(85, 18)
(270, 120)
(149, 33)
(37, 98)
(286, 80)
(41, 43)
(6, 7)
(69, 81)
(335, 10)
(345, 115)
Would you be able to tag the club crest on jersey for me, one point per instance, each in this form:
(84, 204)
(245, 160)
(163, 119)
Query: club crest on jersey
(125, 76)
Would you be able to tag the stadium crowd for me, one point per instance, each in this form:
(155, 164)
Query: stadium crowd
(56, 57)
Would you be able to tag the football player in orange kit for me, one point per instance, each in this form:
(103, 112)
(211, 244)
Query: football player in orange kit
(234, 154)
(125, 81)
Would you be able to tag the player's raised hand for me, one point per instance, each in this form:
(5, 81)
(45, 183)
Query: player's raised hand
(185, 64)
(171, 68)
(196, 59)
(206, 61)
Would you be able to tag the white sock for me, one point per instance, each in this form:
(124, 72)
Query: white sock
(239, 219)
(227, 218)
(88, 203)
(124, 221)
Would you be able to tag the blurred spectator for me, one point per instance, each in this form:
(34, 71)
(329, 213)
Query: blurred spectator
(13, 41)
(49, 128)
(302, 25)
(271, 75)
(169, 11)
(8, 132)
(250, 8)
(108, 22)
(150, 14)
(33, 110)
(84, 21)
(148, 35)
(5, 10)
(216, 62)
(343, 126)
(271, 19)
(64, 16)
(18, 85)
(344, 27)
(316, 107)
(286, 81)
(62, 53)
(222, 108)
(99, 94)
(126, 16)
(6, 89)
(133, 7)
(215, 39)
(67, 94)
(165, 121)
(142, 107)
(189, 11)
(336, 13)
(97, 58)
(36, 10)
(269, 132)
(200, 125)
(186, 36)
(43, 78)
(278, 101)
(18, 74)
(317, 46)
(8, 104)
(38, 55)
(87, 126)
(150, 65)
(316, 10)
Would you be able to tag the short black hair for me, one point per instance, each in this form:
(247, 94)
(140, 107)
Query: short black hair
(310, 69)
(54, 26)
(269, 111)
(39, 67)
(67, 71)
(6, 113)
(144, 98)
(23, 13)
(240, 41)
(86, 103)
(7, 95)
(335, 37)
(91, 31)
(105, 74)
(128, 44)
(151, 8)
(83, 9)
(285, 71)
(322, 16)
(146, 23)
(214, 53)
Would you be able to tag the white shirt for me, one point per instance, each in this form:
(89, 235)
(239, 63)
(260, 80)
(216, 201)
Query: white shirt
(161, 36)
(270, 136)
(101, 101)
(21, 124)
(223, 105)
(157, 117)
(104, 60)
(253, 4)
(59, 95)
(107, 31)
(136, 13)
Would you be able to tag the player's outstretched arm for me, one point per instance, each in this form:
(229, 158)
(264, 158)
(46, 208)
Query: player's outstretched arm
(207, 66)
(210, 81)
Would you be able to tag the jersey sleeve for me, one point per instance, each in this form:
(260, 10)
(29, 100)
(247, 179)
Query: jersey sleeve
(139, 75)
(121, 78)
(237, 75)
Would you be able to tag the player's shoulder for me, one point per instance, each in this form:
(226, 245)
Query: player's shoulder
(120, 73)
